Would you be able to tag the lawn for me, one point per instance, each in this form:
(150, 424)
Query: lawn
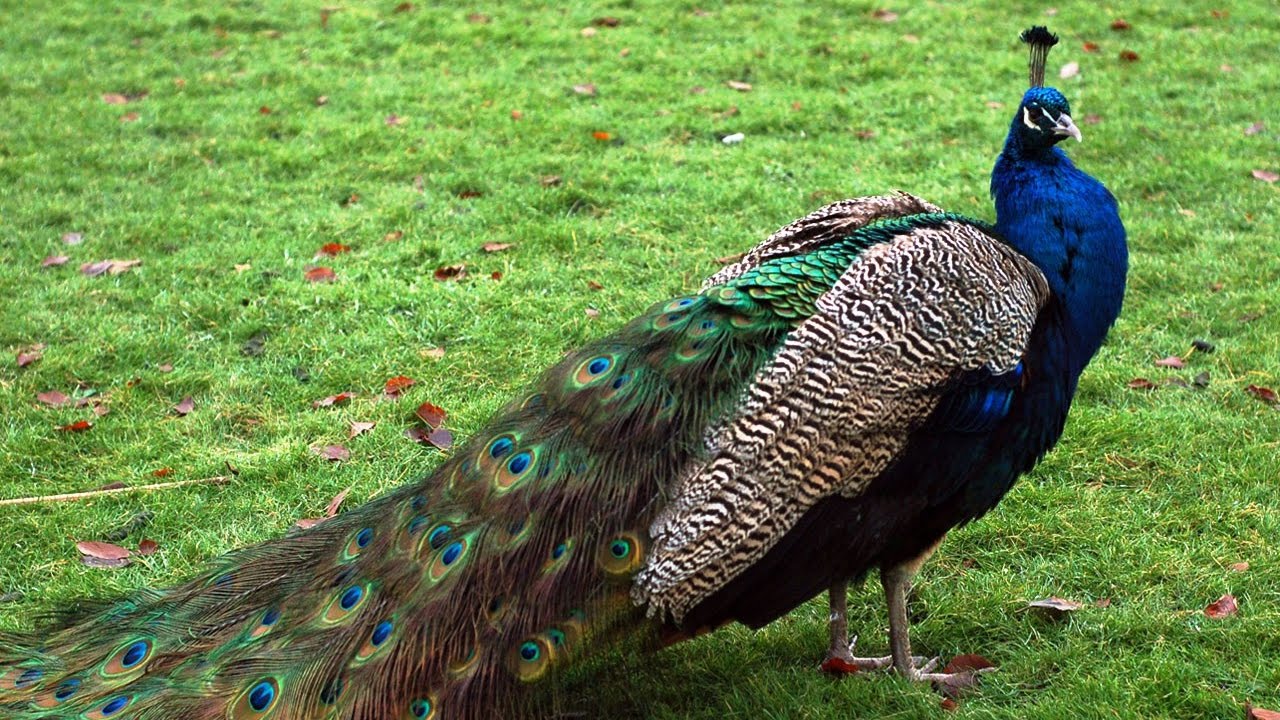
(223, 146)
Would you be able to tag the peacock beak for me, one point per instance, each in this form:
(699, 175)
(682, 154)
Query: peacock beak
(1065, 127)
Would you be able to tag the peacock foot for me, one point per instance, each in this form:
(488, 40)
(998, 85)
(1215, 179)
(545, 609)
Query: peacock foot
(958, 676)
(840, 660)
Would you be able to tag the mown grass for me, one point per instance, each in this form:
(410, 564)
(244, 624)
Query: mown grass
(1148, 500)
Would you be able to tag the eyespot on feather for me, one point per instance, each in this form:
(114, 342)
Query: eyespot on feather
(257, 700)
(621, 556)
(422, 709)
(531, 659)
(128, 658)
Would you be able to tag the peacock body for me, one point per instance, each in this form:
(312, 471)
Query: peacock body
(862, 381)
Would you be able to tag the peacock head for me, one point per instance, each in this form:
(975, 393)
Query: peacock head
(1044, 118)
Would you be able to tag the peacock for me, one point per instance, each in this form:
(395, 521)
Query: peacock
(862, 381)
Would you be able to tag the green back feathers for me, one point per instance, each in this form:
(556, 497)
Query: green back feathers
(445, 596)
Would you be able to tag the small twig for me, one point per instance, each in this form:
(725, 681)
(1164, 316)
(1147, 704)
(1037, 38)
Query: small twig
(217, 480)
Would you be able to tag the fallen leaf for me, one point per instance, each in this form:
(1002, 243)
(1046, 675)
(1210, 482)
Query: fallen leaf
(1225, 606)
(264, 110)
(359, 428)
(624, 52)
(77, 426)
(588, 32)
(53, 398)
(255, 345)
(1255, 128)
(1266, 175)
(113, 267)
(1187, 212)
(341, 398)
(592, 312)
(1140, 384)
(450, 272)
(95, 553)
(335, 453)
(995, 104)
(1173, 361)
(1129, 56)
(1069, 70)
(434, 353)
(184, 406)
(1266, 395)
(54, 261)
(697, 90)
(606, 22)
(394, 120)
(495, 275)
(1120, 24)
(1226, 68)
(162, 472)
(148, 547)
(587, 89)
(432, 415)
(493, 247)
(331, 509)
(601, 135)
(29, 355)
(593, 285)
(319, 274)
(517, 115)
(1239, 567)
(114, 99)
(1255, 713)
(129, 117)
(1091, 47)
(550, 180)
(738, 85)
(322, 100)
(440, 438)
(968, 662)
(1055, 608)
(241, 267)
(477, 18)
(404, 7)
(911, 38)
(1201, 380)
(1102, 603)
(865, 134)
(883, 15)
(101, 409)
(949, 704)
(332, 249)
(165, 368)
(397, 385)
(469, 193)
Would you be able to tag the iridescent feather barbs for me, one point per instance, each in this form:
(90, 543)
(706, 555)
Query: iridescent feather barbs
(863, 380)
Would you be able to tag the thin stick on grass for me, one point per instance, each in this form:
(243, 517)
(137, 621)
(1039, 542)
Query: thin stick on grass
(216, 480)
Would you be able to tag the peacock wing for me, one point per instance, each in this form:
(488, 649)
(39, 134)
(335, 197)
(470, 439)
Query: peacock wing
(839, 400)
(824, 226)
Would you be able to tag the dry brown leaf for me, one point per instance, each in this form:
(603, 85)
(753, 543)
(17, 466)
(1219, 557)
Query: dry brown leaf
(335, 453)
(434, 353)
(1266, 175)
(431, 414)
(1173, 361)
(1255, 713)
(477, 18)
(148, 547)
(1239, 567)
(589, 32)
(184, 406)
(1129, 56)
(102, 550)
(1225, 606)
(53, 398)
(493, 247)
(398, 384)
(341, 398)
(738, 85)
(884, 15)
(450, 272)
(30, 355)
(319, 274)
(593, 285)
(1140, 384)
(1120, 24)
(393, 236)
(1266, 395)
(394, 120)
(592, 312)
(1255, 128)
(550, 180)
(359, 428)
(588, 89)
(1054, 607)
(77, 426)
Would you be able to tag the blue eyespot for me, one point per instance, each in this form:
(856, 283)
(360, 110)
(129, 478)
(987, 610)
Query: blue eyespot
(364, 537)
(66, 689)
(519, 463)
(115, 705)
(438, 537)
(381, 633)
(684, 302)
(708, 324)
(500, 447)
(418, 502)
(351, 597)
(619, 548)
(622, 380)
(599, 365)
(559, 551)
(420, 709)
(530, 651)
(451, 553)
(416, 524)
(557, 637)
(135, 654)
(262, 695)
(28, 678)
(270, 617)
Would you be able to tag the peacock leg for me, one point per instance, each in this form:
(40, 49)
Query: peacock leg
(840, 659)
(897, 584)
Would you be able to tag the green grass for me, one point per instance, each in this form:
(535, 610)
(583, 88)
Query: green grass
(1148, 500)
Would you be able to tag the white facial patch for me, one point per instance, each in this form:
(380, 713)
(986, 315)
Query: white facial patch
(1026, 119)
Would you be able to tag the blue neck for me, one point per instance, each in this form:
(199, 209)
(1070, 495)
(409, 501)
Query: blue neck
(1068, 224)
